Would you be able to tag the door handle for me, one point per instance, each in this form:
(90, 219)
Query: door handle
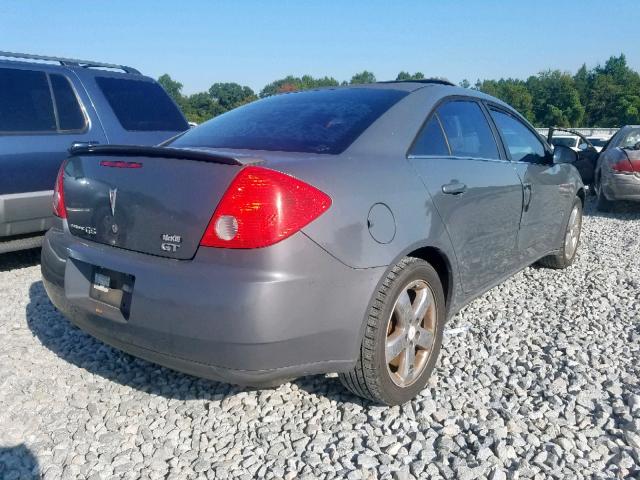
(454, 188)
(76, 144)
(527, 195)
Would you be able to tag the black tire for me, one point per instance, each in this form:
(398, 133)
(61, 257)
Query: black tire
(371, 378)
(603, 204)
(564, 258)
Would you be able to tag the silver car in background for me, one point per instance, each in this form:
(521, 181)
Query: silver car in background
(617, 175)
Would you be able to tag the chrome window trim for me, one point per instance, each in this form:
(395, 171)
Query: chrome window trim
(434, 112)
(454, 157)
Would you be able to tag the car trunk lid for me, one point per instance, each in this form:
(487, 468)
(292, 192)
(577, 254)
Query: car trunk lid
(154, 200)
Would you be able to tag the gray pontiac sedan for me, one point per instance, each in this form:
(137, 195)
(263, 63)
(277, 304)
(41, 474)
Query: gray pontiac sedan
(333, 230)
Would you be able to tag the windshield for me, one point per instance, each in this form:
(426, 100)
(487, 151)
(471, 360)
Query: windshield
(564, 141)
(318, 121)
(631, 139)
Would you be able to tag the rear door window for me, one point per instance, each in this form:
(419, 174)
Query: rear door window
(141, 105)
(25, 102)
(467, 130)
(523, 145)
(70, 116)
(431, 141)
(316, 121)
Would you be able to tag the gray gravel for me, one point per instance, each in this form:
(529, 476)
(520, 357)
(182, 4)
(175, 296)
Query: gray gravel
(541, 381)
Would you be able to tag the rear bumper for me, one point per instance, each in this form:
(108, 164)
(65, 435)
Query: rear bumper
(622, 186)
(242, 316)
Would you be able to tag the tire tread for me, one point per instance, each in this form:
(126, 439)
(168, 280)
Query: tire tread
(558, 261)
(363, 380)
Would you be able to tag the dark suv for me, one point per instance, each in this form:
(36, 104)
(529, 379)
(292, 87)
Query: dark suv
(47, 107)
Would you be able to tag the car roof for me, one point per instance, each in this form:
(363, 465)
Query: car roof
(61, 63)
(440, 87)
(82, 71)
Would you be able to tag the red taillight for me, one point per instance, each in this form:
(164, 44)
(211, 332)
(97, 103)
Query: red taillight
(623, 166)
(59, 209)
(262, 207)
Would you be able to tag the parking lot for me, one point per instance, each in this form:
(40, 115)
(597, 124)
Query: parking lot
(538, 378)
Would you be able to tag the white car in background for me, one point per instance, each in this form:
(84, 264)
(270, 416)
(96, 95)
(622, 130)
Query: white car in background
(570, 141)
(598, 142)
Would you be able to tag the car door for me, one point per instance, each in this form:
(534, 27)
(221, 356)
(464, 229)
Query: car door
(40, 117)
(476, 191)
(546, 187)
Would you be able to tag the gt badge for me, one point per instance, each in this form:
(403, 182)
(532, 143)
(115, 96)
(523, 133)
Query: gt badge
(170, 243)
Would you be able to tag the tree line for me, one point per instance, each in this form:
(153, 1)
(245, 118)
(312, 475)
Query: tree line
(603, 96)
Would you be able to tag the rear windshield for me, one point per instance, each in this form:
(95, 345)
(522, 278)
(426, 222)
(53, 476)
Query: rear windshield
(141, 105)
(319, 121)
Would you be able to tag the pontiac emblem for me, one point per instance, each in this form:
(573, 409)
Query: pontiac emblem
(112, 200)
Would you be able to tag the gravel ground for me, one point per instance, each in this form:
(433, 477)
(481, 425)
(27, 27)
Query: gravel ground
(540, 381)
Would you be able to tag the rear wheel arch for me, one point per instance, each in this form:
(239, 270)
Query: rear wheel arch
(442, 265)
(437, 258)
(372, 375)
(581, 195)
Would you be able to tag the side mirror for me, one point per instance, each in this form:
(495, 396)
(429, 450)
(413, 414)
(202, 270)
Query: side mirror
(562, 154)
(583, 146)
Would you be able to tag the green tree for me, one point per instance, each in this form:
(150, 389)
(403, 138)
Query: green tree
(613, 97)
(582, 80)
(607, 95)
(556, 100)
(292, 84)
(407, 76)
(172, 87)
(363, 77)
(200, 107)
(514, 92)
(231, 95)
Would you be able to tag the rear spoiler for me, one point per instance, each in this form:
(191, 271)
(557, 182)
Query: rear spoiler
(160, 152)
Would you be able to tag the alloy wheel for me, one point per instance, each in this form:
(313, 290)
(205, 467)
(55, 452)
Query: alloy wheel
(573, 233)
(410, 333)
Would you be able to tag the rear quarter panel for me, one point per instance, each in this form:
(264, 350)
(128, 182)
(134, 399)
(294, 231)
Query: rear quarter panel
(355, 185)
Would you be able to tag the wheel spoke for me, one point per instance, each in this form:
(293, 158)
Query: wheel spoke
(407, 359)
(421, 304)
(573, 232)
(424, 338)
(404, 310)
(396, 343)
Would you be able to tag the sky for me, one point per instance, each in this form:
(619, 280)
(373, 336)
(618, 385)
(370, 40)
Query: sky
(255, 42)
